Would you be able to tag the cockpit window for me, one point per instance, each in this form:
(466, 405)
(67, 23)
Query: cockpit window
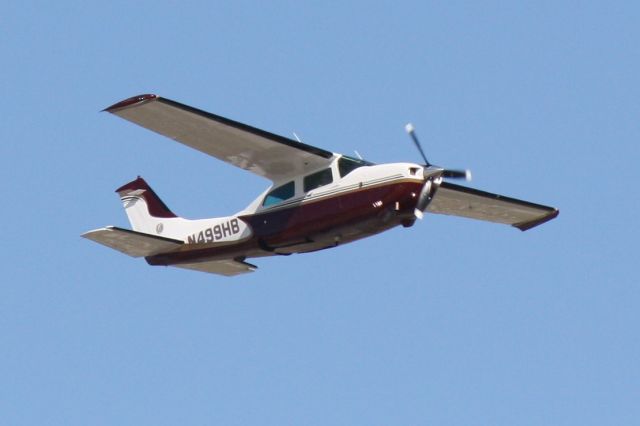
(348, 164)
(318, 179)
(279, 194)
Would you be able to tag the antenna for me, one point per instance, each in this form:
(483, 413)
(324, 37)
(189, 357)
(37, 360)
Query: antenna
(358, 154)
(296, 136)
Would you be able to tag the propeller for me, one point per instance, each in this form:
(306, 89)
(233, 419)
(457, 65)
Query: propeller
(447, 173)
(429, 188)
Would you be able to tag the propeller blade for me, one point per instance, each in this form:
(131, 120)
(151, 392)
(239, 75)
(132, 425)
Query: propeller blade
(457, 174)
(452, 174)
(412, 132)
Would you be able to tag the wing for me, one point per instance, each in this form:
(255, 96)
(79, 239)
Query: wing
(266, 154)
(223, 267)
(135, 244)
(458, 200)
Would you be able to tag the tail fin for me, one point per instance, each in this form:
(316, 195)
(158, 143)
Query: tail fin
(143, 207)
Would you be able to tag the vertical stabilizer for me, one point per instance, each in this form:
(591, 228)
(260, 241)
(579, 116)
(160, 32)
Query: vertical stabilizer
(145, 209)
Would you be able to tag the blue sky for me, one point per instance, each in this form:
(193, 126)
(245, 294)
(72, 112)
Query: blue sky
(451, 322)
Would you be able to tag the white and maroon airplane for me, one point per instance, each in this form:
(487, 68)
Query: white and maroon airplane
(318, 199)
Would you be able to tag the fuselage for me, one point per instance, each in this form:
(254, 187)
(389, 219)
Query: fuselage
(322, 209)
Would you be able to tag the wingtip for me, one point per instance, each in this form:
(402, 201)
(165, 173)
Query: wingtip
(135, 100)
(532, 224)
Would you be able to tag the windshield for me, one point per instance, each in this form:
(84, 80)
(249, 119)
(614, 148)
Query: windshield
(348, 164)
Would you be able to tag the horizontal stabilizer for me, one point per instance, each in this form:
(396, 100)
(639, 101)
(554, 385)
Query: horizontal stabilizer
(135, 244)
(456, 200)
(222, 267)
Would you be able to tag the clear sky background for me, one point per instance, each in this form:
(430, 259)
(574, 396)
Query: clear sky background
(451, 322)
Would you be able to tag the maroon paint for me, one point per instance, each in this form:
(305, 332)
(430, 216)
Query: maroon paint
(154, 204)
(352, 214)
(528, 225)
(131, 101)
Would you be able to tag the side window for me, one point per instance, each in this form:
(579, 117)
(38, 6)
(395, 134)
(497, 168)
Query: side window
(279, 194)
(318, 179)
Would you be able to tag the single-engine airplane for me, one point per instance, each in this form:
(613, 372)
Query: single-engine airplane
(318, 199)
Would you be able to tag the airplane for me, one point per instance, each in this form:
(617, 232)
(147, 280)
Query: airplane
(318, 199)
